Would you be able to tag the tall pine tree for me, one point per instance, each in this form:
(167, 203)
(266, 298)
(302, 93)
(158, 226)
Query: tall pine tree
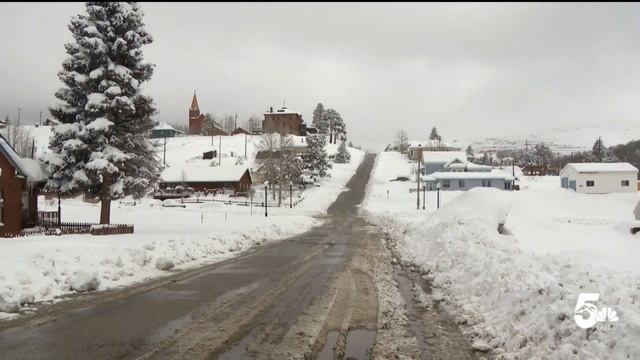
(598, 150)
(434, 134)
(318, 119)
(101, 149)
(317, 160)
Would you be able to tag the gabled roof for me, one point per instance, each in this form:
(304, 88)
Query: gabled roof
(31, 169)
(601, 167)
(443, 156)
(165, 126)
(194, 102)
(466, 175)
(201, 171)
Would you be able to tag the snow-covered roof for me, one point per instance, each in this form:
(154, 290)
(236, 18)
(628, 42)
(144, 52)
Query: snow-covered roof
(165, 126)
(33, 170)
(201, 171)
(466, 175)
(469, 165)
(602, 167)
(283, 110)
(443, 156)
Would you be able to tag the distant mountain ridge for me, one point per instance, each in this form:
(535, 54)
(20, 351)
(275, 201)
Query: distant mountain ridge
(564, 141)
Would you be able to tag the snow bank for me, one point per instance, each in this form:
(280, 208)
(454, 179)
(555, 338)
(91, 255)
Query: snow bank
(516, 293)
(83, 280)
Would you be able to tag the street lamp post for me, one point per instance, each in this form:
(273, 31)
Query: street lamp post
(290, 194)
(424, 196)
(266, 184)
(438, 191)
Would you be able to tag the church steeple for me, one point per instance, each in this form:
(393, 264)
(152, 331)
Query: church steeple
(196, 119)
(194, 102)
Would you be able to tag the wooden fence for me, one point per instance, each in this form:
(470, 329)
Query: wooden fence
(112, 229)
(270, 204)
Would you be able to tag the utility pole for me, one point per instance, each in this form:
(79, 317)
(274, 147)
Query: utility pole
(40, 118)
(164, 152)
(418, 176)
(245, 145)
(19, 112)
(220, 151)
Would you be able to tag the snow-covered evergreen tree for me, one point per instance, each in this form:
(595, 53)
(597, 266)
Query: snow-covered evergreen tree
(317, 161)
(331, 118)
(101, 147)
(469, 151)
(339, 130)
(343, 156)
(318, 119)
(434, 134)
(598, 150)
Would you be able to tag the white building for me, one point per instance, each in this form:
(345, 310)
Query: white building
(599, 178)
(462, 181)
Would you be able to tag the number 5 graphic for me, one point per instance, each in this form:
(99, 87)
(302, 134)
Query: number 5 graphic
(585, 313)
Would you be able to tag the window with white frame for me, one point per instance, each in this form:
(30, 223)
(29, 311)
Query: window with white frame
(590, 183)
(625, 182)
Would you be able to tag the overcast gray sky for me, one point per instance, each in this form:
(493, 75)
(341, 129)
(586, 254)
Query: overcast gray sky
(471, 69)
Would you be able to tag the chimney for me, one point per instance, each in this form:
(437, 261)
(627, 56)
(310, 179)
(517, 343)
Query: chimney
(271, 109)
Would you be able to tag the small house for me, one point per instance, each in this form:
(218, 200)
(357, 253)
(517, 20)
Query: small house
(164, 130)
(240, 130)
(435, 161)
(416, 147)
(599, 178)
(457, 165)
(20, 181)
(213, 131)
(202, 176)
(463, 181)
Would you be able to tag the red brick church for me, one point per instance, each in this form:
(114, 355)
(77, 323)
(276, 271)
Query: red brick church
(196, 119)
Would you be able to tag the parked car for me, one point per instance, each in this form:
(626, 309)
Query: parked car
(400, 178)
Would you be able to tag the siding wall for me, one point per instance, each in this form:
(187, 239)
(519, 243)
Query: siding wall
(468, 184)
(11, 187)
(606, 182)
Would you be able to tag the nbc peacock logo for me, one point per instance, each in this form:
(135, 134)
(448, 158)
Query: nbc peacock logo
(587, 314)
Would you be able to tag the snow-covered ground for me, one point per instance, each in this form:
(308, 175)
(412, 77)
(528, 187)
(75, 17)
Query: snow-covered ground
(42, 268)
(517, 291)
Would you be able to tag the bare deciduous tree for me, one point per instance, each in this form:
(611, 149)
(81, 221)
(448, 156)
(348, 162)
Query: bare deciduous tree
(402, 140)
(19, 138)
(280, 166)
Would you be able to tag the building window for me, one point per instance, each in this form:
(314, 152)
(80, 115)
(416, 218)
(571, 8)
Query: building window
(625, 182)
(484, 183)
(445, 184)
(590, 183)
(507, 185)
(461, 184)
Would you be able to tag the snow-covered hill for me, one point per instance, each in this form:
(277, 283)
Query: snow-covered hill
(559, 140)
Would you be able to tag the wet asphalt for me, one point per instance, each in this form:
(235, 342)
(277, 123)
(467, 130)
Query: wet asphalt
(135, 322)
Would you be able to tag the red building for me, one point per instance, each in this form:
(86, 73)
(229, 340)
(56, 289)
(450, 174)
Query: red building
(196, 119)
(283, 121)
(20, 180)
